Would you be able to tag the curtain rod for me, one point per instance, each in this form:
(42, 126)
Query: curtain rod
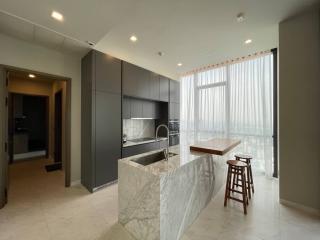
(225, 63)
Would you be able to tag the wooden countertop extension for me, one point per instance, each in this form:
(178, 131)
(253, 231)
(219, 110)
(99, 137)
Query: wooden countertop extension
(217, 146)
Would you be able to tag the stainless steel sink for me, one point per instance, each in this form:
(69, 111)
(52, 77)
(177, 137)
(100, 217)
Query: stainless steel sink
(152, 158)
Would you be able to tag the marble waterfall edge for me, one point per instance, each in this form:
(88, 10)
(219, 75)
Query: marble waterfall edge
(161, 204)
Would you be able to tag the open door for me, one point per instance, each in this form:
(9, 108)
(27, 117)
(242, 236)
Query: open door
(3, 137)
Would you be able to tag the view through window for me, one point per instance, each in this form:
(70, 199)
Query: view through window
(236, 101)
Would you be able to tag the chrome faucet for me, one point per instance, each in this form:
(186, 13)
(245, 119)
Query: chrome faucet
(166, 150)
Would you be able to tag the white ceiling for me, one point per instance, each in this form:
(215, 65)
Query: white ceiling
(30, 32)
(195, 33)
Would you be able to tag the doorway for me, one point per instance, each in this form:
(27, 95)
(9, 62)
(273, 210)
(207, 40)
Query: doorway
(28, 125)
(58, 129)
(37, 131)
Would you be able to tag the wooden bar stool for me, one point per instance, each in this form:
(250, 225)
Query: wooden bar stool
(247, 159)
(236, 170)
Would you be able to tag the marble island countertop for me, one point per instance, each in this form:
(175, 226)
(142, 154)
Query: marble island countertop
(184, 156)
(129, 143)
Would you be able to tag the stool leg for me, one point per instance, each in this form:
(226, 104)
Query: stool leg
(251, 178)
(234, 181)
(248, 182)
(227, 192)
(237, 176)
(244, 191)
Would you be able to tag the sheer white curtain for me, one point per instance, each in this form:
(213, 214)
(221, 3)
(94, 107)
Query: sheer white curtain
(234, 100)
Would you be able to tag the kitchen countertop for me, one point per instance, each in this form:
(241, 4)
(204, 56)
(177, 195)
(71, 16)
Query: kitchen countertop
(131, 143)
(217, 146)
(184, 156)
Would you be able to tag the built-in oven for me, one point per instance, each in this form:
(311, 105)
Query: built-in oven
(174, 139)
(174, 126)
(174, 132)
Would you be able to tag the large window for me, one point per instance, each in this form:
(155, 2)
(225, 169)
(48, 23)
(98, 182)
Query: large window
(236, 101)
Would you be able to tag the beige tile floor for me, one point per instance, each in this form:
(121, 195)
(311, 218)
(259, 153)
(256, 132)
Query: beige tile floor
(40, 208)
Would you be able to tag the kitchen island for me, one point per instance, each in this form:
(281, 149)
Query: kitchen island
(161, 199)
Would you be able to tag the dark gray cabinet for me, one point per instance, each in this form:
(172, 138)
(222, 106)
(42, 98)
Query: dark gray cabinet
(174, 111)
(154, 86)
(108, 137)
(136, 81)
(163, 89)
(142, 148)
(107, 73)
(129, 81)
(148, 109)
(112, 90)
(140, 108)
(126, 108)
(174, 98)
(100, 119)
(136, 108)
(174, 91)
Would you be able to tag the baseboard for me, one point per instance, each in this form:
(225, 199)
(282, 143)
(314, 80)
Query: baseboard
(300, 206)
(75, 183)
(105, 185)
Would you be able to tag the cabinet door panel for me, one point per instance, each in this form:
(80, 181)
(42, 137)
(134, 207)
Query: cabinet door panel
(126, 108)
(108, 137)
(164, 89)
(148, 109)
(107, 73)
(144, 83)
(129, 79)
(136, 81)
(155, 86)
(174, 111)
(174, 91)
(136, 108)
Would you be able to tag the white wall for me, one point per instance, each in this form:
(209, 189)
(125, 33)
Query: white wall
(299, 109)
(22, 54)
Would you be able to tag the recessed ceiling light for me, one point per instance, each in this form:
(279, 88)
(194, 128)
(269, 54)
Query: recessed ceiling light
(133, 38)
(179, 64)
(32, 75)
(56, 15)
(248, 41)
(240, 17)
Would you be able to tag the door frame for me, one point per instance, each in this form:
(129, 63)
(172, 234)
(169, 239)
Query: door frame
(275, 113)
(67, 136)
(4, 159)
(55, 129)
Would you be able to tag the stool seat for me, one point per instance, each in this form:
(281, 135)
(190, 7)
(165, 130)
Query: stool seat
(243, 156)
(236, 163)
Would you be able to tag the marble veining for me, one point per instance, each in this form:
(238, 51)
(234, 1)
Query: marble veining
(138, 128)
(160, 200)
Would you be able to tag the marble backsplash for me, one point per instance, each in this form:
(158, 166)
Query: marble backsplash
(138, 128)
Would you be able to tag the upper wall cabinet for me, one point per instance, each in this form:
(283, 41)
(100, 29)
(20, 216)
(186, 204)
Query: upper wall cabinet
(136, 81)
(174, 91)
(164, 89)
(107, 73)
(154, 86)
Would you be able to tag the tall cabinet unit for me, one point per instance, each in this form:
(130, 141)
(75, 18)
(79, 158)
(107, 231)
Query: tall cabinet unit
(101, 119)
(174, 101)
(174, 112)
